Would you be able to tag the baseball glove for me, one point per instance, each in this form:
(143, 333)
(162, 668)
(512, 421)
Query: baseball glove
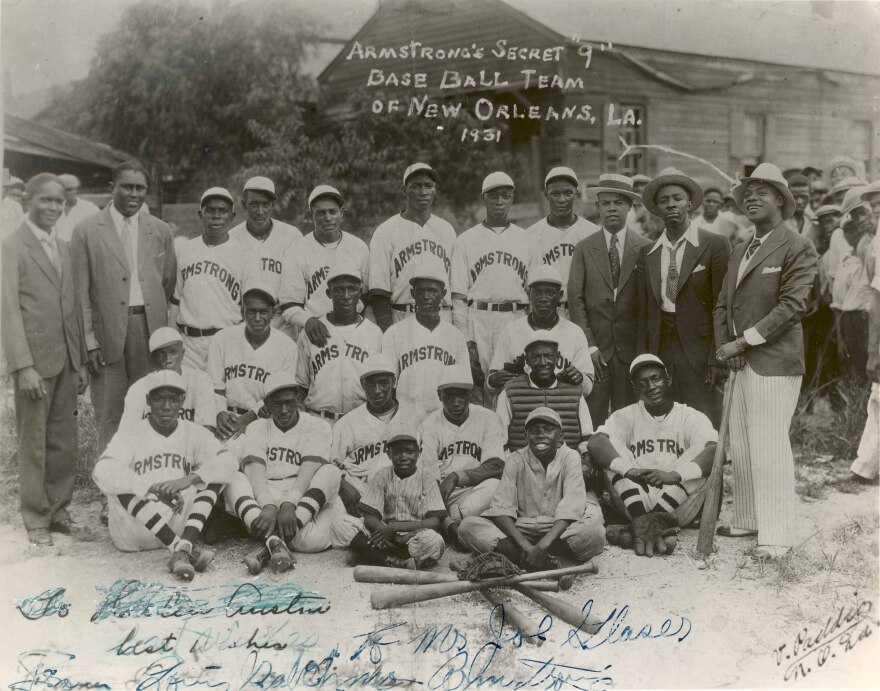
(517, 365)
(489, 565)
(649, 531)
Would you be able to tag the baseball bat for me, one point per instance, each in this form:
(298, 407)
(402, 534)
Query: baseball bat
(388, 574)
(706, 536)
(526, 626)
(562, 609)
(395, 597)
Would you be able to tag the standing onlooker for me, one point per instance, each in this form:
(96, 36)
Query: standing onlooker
(12, 210)
(125, 272)
(758, 326)
(43, 345)
(818, 190)
(712, 218)
(75, 209)
(803, 218)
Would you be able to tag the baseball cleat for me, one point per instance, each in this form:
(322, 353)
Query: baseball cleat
(180, 565)
(201, 558)
(257, 560)
(281, 559)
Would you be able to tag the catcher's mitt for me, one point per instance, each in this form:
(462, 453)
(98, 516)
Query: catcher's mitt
(489, 565)
(517, 365)
(649, 531)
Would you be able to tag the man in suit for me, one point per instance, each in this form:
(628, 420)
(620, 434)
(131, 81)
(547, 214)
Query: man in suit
(125, 272)
(602, 295)
(679, 277)
(758, 326)
(42, 340)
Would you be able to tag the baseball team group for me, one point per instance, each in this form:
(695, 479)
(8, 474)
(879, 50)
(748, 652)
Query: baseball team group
(532, 392)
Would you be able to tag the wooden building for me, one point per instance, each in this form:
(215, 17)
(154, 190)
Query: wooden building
(731, 111)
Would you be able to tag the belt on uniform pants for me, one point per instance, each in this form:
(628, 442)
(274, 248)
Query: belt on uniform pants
(496, 306)
(236, 409)
(196, 333)
(137, 309)
(326, 414)
(412, 308)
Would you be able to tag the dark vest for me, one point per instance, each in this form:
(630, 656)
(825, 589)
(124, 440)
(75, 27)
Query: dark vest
(565, 399)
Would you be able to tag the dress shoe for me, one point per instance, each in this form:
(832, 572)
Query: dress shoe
(66, 527)
(40, 537)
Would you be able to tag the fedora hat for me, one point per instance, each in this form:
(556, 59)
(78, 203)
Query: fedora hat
(670, 176)
(769, 173)
(619, 184)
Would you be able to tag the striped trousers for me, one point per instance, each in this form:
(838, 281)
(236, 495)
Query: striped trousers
(763, 465)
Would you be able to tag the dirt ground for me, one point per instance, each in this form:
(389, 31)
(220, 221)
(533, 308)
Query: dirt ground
(739, 620)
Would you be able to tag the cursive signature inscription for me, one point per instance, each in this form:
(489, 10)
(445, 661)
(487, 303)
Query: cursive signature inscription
(614, 629)
(840, 633)
(46, 604)
(43, 670)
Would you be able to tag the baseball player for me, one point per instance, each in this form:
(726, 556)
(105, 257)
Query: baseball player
(162, 477)
(304, 298)
(359, 436)
(423, 345)
(330, 374)
(463, 449)
(574, 366)
(242, 357)
(211, 270)
(166, 352)
(402, 509)
(403, 243)
(489, 274)
(267, 238)
(656, 453)
(554, 237)
(286, 492)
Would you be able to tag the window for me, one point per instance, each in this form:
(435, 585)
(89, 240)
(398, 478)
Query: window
(860, 141)
(632, 130)
(753, 142)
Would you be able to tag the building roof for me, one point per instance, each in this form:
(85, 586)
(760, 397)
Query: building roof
(27, 137)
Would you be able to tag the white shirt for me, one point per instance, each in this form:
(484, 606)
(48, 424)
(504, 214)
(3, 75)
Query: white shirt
(621, 241)
(48, 240)
(135, 294)
(690, 235)
(80, 211)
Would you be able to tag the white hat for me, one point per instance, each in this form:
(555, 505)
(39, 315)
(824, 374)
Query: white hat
(644, 360)
(260, 184)
(497, 179)
(561, 173)
(540, 336)
(256, 283)
(377, 364)
(670, 176)
(456, 377)
(826, 209)
(544, 413)
(618, 184)
(419, 168)
(544, 273)
(164, 336)
(278, 381)
(853, 199)
(326, 191)
(220, 192)
(871, 190)
(345, 268)
(165, 379)
(429, 270)
(13, 182)
(402, 429)
(771, 175)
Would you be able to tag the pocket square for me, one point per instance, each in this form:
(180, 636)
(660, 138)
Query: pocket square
(771, 269)
(698, 267)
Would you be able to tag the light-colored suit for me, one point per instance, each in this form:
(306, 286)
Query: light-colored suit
(40, 329)
(102, 283)
(771, 297)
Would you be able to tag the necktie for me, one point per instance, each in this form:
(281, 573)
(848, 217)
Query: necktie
(614, 258)
(126, 242)
(672, 273)
(752, 248)
(52, 252)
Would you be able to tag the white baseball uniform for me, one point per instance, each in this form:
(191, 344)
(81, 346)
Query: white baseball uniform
(198, 404)
(420, 356)
(208, 291)
(573, 347)
(489, 266)
(304, 280)
(269, 256)
(138, 456)
(396, 249)
(555, 247)
(331, 373)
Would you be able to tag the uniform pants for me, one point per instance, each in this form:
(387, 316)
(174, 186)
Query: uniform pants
(425, 546)
(763, 464)
(195, 351)
(867, 463)
(688, 384)
(47, 446)
(615, 391)
(112, 383)
(854, 331)
(471, 501)
(633, 499)
(486, 328)
(131, 535)
(585, 537)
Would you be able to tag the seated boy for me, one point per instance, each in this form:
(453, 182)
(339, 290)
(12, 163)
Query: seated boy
(162, 476)
(402, 509)
(541, 506)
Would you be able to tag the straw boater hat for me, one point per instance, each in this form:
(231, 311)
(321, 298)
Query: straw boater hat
(619, 184)
(670, 176)
(769, 173)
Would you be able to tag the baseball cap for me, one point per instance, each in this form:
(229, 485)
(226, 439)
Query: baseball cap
(871, 190)
(326, 191)
(455, 377)
(402, 429)
(852, 200)
(419, 168)
(540, 336)
(544, 274)
(497, 179)
(13, 182)
(826, 209)
(277, 381)
(377, 364)
(260, 184)
(432, 271)
(165, 379)
(258, 285)
(561, 173)
(641, 177)
(220, 192)
(818, 186)
(164, 336)
(546, 414)
(644, 360)
(344, 268)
